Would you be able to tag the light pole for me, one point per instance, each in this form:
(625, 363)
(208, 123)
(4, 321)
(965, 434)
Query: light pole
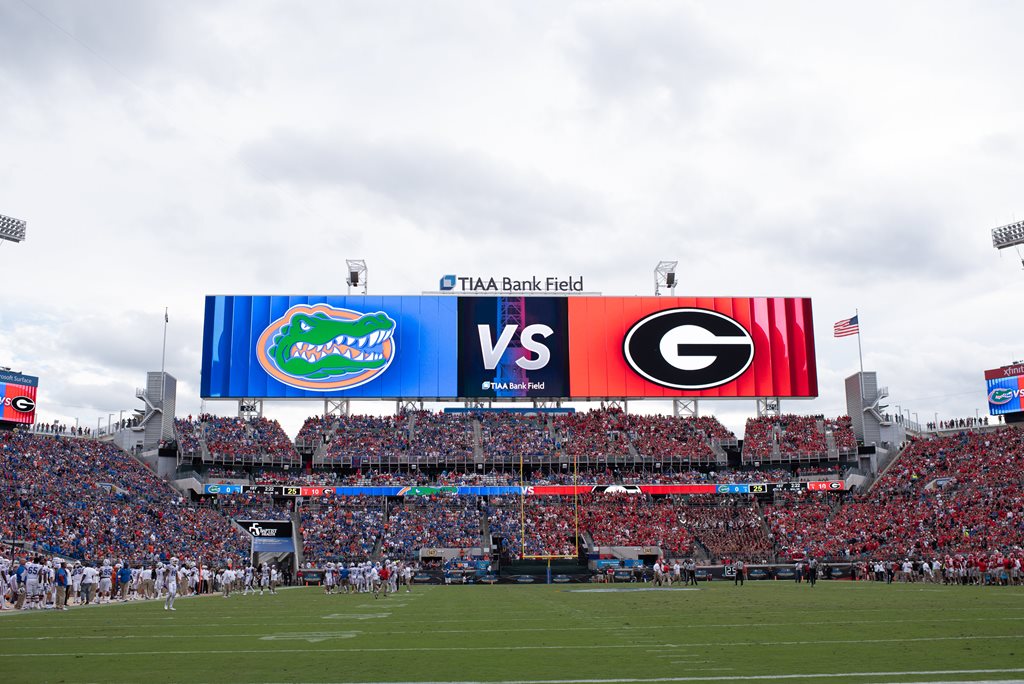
(917, 421)
(1011, 235)
(12, 229)
(356, 274)
(665, 277)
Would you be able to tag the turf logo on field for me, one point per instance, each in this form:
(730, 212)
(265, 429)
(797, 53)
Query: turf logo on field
(311, 637)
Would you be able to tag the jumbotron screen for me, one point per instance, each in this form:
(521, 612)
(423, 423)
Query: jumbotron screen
(458, 347)
(1005, 388)
(18, 396)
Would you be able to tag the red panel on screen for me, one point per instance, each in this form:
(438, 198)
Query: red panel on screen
(602, 362)
(9, 402)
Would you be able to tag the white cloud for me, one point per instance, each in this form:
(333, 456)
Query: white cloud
(857, 156)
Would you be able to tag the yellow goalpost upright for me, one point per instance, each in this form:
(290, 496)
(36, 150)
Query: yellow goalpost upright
(575, 509)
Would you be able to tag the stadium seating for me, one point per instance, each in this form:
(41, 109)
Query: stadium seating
(345, 529)
(235, 441)
(438, 521)
(594, 434)
(360, 440)
(948, 495)
(447, 438)
(785, 438)
(87, 499)
(509, 436)
(311, 434)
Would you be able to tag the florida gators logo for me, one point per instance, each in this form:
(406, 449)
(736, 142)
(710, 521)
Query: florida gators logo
(322, 348)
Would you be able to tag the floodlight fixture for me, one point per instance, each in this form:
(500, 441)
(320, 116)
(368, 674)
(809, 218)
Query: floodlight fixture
(12, 229)
(356, 274)
(665, 277)
(1011, 235)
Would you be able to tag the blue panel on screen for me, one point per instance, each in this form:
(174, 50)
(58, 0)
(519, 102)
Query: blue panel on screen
(329, 346)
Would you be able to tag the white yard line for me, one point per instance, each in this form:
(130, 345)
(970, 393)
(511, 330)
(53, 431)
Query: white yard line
(602, 628)
(435, 649)
(730, 678)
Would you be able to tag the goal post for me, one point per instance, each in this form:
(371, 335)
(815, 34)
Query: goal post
(575, 514)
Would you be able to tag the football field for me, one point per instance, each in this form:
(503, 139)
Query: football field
(767, 631)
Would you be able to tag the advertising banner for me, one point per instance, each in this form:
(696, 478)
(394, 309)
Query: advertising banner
(269, 536)
(18, 397)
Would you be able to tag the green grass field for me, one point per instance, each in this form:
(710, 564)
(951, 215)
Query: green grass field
(858, 632)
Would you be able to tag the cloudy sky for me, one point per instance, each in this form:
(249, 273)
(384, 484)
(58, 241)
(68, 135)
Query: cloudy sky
(858, 154)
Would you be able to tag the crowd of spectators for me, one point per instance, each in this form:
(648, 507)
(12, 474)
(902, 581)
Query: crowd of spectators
(842, 430)
(345, 529)
(729, 528)
(314, 429)
(58, 428)
(272, 440)
(507, 436)
(442, 436)
(217, 474)
(635, 520)
(596, 433)
(550, 525)
(187, 435)
(960, 423)
(367, 439)
(947, 495)
(252, 506)
(428, 522)
(86, 499)
(665, 436)
(787, 437)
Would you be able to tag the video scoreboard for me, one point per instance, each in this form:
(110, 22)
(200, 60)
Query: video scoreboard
(483, 347)
(18, 397)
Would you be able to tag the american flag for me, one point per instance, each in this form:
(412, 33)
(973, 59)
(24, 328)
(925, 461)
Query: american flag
(846, 327)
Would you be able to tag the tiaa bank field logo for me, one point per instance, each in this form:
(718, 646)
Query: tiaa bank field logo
(447, 282)
(325, 348)
(1000, 396)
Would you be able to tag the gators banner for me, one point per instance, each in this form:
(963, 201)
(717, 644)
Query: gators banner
(430, 347)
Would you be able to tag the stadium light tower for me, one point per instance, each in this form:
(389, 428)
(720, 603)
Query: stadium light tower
(12, 229)
(1010, 235)
(665, 277)
(356, 274)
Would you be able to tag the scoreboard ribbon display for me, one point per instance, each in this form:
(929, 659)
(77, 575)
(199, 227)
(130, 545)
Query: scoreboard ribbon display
(446, 347)
(552, 490)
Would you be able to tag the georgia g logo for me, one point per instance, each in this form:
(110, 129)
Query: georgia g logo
(322, 348)
(23, 404)
(688, 349)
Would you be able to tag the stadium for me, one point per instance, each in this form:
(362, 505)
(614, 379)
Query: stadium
(332, 350)
(506, 486)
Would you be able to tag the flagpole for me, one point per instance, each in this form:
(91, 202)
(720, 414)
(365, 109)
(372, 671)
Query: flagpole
(860, 354)
(163, 378)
